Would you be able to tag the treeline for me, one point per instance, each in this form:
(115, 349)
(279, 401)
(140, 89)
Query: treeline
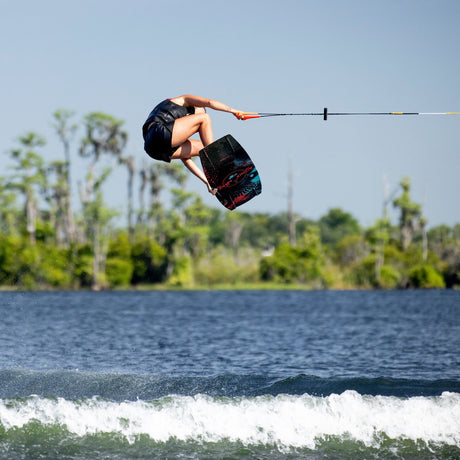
(52, 239)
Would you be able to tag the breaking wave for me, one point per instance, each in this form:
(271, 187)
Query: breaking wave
(283, 423)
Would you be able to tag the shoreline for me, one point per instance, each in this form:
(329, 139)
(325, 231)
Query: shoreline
(216, 287)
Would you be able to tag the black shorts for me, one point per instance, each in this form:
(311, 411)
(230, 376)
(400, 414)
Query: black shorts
(157, 141)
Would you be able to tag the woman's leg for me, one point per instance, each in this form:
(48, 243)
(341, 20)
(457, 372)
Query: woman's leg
(187, 126)
(184, 128)
(190, 148)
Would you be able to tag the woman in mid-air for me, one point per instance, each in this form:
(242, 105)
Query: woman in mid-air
(169, 126)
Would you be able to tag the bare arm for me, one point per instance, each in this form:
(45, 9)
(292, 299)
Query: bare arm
(189, 100)
(194, 169)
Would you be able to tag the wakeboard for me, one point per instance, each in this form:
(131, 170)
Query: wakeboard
(228, 168)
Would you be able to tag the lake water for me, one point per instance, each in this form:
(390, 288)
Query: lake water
(230, 374)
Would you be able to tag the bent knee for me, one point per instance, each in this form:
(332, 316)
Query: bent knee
(204, 118)
(190, 148)
(196, 147)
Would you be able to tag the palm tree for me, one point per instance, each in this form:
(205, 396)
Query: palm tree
(30, 177)
(103, 136)
(66, 131)
(410, 212)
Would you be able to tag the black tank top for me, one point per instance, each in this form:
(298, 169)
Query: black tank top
(165, 113)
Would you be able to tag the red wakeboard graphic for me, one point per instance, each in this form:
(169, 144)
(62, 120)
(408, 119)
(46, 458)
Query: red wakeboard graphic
(228, 168)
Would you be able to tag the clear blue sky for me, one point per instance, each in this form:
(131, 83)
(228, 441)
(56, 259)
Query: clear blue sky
(123, 56)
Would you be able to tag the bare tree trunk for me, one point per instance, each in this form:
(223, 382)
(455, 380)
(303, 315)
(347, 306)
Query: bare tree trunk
(59, 226)
(131, 171)
(424, 239)
(96, 259)
(65, 132)
(86, 195)
(144, 180)
(31, 213)
(379, 260)
(235, 233)
(406, 237)
(69, 219)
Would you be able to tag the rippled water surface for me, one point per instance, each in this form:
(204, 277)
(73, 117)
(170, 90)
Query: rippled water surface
(242, 374)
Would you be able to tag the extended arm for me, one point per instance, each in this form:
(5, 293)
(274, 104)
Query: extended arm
(189, 100)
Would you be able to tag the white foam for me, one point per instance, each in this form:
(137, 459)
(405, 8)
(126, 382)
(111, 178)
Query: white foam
(284, 420)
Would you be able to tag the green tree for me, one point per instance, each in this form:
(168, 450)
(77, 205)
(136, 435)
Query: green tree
(444, 241)
(425, 276)
(234, 223)
(58, 200)
(351, 249)
(379, 236)
(156, 214)
(9, 250)
(410, 213)
(104, 135)
(197, 217)
(98, 217)
(119, 267)
(149, 260)
(301, 264)
(29, 177)
(260, 233)
(65, 131)
(8, 212)
(131, 167)
(336, 225)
